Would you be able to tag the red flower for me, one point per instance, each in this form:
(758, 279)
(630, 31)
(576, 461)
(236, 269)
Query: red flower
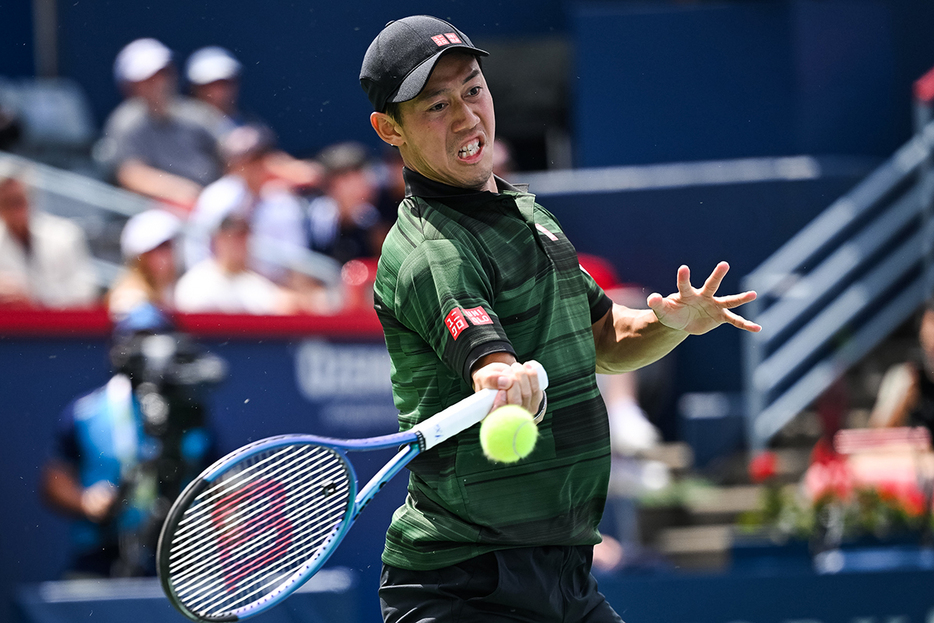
(913, 502)
(763, 467)
(829, 481)
(888, 492)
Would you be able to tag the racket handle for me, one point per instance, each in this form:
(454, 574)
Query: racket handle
(464, 414)
(540, 371)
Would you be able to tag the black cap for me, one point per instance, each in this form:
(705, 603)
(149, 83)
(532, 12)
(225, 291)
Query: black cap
(399, 61)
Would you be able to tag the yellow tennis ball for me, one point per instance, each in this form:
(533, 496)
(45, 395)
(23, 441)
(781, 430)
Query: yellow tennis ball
(508, 434)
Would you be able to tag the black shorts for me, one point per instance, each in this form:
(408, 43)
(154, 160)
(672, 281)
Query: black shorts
(534, 585)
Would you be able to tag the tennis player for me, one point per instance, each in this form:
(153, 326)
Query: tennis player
(476, 278)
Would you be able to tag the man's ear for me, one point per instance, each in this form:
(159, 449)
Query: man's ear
(387, 128)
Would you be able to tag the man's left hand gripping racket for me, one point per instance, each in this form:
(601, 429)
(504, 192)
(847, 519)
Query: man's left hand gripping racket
(259, 522)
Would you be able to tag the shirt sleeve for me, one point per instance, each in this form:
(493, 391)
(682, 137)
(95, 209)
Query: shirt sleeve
(130, 145)
(444, 294)
(600, 302)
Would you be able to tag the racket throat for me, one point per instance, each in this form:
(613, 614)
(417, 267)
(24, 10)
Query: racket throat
(384, 475)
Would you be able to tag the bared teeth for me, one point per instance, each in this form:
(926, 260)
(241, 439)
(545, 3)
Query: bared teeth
(470, 149)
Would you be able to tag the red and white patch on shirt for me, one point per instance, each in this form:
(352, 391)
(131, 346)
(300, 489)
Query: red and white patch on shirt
(478, 315)
(457, 319)
(455, 322)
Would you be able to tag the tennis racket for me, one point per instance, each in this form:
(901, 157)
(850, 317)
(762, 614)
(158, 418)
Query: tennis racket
(255, 525)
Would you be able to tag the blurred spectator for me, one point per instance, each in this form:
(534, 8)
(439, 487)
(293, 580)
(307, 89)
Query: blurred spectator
(44, 259)
(343, 222)
(391, 184)
(358, 277)
(224, 282)
(275, 214)
(214, 77)
(249, 189)
(503, 163)
(630, 429)
(11, 128)
(147, 244)
(906, 394)
(157, 142)
(125, 450)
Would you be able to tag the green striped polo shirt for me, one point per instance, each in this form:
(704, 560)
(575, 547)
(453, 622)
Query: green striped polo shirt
(463, 274)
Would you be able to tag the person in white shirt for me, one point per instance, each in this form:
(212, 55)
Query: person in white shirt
(44, 259)
(224, 283)
(249, 189)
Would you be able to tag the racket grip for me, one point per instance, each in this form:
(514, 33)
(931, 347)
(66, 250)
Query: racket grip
(540, 371)
(464, 414)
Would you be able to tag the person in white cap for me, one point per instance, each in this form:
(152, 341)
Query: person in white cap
(146, 243)
(213, 75)
(157, 142)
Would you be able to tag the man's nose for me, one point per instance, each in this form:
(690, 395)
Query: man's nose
(465, 117)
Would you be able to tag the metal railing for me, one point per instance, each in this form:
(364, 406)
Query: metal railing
(841, 285)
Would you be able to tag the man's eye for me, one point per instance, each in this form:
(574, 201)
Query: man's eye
(474, 91)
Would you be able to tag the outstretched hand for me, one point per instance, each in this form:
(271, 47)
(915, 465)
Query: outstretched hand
(697, 310)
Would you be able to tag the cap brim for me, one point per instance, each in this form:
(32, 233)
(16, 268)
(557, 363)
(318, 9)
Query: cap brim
(413, 84)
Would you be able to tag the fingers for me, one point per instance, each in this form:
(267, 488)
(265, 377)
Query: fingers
(698, 311)
(684, 281)
(715, 279)
(735, 300)
(741, 323)
(709, 289)
(518, 385)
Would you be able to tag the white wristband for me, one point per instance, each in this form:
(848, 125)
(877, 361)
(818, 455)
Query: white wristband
(542, 407)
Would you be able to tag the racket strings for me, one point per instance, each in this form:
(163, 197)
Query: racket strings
(240, 564)
(257, 514)
(192, 568)
(210, 602)
(248, 470)
(194, 525)
(250, 531)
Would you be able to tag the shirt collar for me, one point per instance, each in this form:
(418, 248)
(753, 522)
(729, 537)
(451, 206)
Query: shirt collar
(417, 185)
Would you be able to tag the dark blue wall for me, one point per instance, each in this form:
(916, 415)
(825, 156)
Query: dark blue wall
(662, 83)
(667, 84)
(16, 40)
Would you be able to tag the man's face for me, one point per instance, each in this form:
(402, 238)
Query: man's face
(14, 207)
(352, 188)
(231, 246)
(158, 89)
(447, 131)
(221, 94)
